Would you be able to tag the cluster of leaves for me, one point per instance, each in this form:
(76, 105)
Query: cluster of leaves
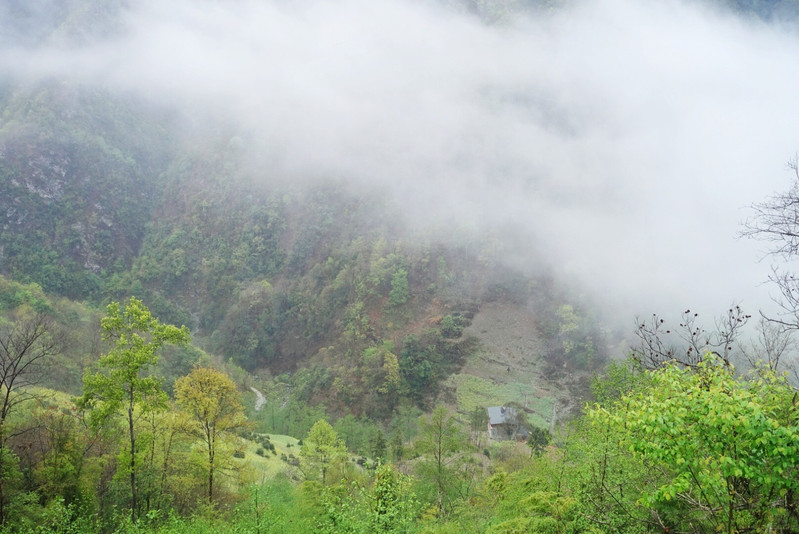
(727, 446)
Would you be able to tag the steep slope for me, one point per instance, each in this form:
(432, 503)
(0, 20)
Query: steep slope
(78, 177)
(103, 196)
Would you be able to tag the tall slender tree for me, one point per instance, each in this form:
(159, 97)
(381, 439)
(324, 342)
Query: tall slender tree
(443, 445)
(122, 383)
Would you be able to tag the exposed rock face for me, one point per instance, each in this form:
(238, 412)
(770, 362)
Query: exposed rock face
(78, 171)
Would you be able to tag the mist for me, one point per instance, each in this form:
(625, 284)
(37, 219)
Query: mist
(621, 141)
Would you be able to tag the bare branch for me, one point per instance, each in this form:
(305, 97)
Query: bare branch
(24, 347)
(776, 220)
(774, 346)
(689, 342)
(25, 344)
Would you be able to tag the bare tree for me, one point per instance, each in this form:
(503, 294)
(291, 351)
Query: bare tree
(776, 221)
(774, 347)
(25, 345)
(689, 342)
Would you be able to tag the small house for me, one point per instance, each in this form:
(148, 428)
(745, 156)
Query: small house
(504, 423)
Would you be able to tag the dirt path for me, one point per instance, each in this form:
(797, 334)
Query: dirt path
(259, 399)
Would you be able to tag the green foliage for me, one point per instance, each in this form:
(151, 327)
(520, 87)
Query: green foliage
(606, 479)
(417, 364)
(14, 295)
(452, 325)
(620, 469)
(388, 505)
(445, 464)
(573, 334)
(248, 329)
(176, 361)
(399, 293)
(729, 446)
(212, 404)
(525, 500)
(618, 379)
(538, 439)
(68, 233)
(392, 506)
(426, 360)
(379, 446)
(357, 433)
(287, 415)
(122, 386)
(539, 512)
(323, 453)
(136, 337)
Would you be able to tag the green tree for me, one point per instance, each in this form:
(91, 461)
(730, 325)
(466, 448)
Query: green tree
(322, 450)
(443, 445)
(538, 440)
(379, 446)
(122, 383)
(417, 366)
(397, 445)
(729, 447)
(399, 293)
(392, 505)
(391, 368)
(478, 423)
(213, 404)
(387, 505)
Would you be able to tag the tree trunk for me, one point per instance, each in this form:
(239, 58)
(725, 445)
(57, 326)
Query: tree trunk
(133, 503)
(210, 475)
(2, 485)
(167, 452)
(210, 433)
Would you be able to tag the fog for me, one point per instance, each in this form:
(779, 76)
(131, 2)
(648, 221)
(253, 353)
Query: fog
(621, 140)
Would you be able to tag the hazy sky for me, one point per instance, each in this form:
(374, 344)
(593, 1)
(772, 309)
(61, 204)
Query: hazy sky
(626, 138)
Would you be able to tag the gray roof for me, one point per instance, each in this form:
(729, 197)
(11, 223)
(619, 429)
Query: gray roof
(499, 415)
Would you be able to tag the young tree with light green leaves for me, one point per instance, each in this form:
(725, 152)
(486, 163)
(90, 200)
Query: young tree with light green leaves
(444, 447)
(122, 383)
(213, 404)
(322, 451)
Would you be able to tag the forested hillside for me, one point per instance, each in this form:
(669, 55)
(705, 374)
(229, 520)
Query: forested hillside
(107, 196)
(227, 313)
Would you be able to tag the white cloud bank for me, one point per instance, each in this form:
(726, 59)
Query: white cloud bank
(625, 138)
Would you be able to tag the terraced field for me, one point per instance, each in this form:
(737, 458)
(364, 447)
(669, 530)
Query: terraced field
(510, 368)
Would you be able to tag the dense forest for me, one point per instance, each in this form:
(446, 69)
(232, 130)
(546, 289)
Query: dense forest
(198, 337)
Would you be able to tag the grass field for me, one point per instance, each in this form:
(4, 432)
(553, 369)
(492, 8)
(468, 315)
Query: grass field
(510, 367)
(270, 464)
(474, 392)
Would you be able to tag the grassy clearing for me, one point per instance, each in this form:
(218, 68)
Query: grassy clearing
(270, 464)
(474, 392)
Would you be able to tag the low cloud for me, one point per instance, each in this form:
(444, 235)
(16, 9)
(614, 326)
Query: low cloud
(620, 140)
